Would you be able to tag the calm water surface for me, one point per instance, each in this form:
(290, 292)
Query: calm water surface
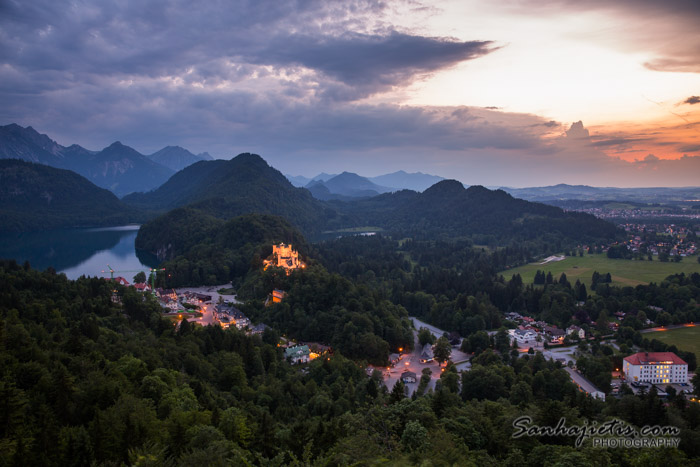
(78, 252)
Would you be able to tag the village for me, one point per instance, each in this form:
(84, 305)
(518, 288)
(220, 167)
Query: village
(419, 369)
(654, 239)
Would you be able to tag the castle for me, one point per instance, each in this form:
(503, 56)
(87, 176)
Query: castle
(284, 256)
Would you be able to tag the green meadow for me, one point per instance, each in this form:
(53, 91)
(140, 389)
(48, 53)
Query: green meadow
(623, 271)
(687, 339)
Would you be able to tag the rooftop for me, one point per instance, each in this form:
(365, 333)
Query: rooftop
(650, 358)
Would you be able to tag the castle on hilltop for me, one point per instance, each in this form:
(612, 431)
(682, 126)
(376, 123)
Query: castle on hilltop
(284, 256)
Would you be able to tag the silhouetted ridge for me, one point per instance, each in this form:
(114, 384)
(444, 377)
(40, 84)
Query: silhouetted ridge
(445, 188)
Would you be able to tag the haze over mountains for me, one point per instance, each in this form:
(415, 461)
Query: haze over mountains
(119, 168)
(591, 193)
(247, 184)
(350, 185)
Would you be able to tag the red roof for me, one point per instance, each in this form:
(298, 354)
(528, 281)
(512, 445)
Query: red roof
(649, 358)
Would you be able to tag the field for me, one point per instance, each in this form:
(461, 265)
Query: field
(624, 272)
(687, 338)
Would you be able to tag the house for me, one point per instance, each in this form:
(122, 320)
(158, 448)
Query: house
(170, 304)
(258, 328)
(523, 335)
(527, 319)
(576, 331)
(427, 354)
(394, 358)
(555, 335)
(278, 295)
(202, 297)
(120, 280)
(655, 368)
(236, 316)
(297, 354)
(455, 338)
(408, 377)
(142, 287)
(169, 293)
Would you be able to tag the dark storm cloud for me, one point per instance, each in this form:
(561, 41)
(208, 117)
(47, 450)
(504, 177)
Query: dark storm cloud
(87, 41)
(360, 59)
(692, 100)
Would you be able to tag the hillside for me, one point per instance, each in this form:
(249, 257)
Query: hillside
(199, 248)
(448, 209)
(118, 168)
(39, 197)
(244, 184)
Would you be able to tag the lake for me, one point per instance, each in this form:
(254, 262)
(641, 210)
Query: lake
(78, 252)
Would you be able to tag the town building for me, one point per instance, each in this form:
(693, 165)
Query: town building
(655, 368)
(523, 335)
(121, 280)
(142, 287)
(427, 354)
(278, 295)
(297, 354)
(408, 377)
(576, 331)
(555, 335)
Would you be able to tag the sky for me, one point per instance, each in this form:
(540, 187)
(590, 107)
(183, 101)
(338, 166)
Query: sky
(500, 93)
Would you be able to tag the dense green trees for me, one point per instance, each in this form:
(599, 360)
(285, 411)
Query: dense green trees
(87, 381)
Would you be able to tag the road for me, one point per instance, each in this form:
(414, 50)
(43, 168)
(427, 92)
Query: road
(411, 362)
(672, 326)
(420, 324)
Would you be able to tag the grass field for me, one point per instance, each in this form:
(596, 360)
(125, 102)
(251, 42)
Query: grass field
(687, 339)
(623, 271)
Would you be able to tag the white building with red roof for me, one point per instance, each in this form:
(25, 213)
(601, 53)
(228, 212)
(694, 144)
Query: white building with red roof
(655, 368)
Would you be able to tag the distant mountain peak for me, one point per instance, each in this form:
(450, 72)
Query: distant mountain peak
(417, 181)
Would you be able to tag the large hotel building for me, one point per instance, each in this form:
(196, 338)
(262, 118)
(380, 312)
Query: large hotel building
(655, 368)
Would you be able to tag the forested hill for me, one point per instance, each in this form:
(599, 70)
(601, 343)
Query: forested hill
(244, 184)
(448, 209)
(191, 233)
(39, 197)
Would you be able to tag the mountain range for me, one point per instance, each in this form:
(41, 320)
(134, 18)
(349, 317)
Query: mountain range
(176, 158)
(247, 184)
(345, 186)
(400, 180)
(119, 168)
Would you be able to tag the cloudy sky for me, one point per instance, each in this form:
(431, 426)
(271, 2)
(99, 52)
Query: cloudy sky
(509, 92)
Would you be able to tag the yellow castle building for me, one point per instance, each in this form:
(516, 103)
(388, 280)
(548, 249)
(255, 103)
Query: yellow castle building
(284, 256)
